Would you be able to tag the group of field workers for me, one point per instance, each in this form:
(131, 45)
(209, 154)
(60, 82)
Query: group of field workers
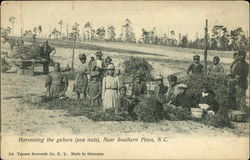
(238, 76)
(100, 84)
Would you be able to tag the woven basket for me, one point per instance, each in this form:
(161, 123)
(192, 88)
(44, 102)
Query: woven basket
(35, 98)
(237, 116)
(196, 112)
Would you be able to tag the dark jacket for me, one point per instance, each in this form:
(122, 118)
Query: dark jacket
(45, 51)
(195, 68)
(210, 100)
(139, 89)
(240, 68)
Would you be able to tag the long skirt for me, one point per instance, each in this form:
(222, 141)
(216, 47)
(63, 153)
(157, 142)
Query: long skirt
(110, 99)
(55, 91)
(81, 83)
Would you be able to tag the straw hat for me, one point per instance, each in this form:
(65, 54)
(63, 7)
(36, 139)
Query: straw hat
(111, 67)
(159, 77)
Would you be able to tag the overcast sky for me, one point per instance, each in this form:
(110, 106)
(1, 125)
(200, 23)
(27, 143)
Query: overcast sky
(182, 17)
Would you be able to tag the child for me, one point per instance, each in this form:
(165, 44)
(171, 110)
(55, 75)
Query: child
(81, 81)
(196, 67)
(122, 100)
(94, 90)
(216, 68)
(110, 88)
(206, 100)
(139, 88)
(160, 89)
(56, 83)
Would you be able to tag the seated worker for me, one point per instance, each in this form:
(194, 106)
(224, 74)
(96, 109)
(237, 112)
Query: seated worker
(172, 81)
(183, 99)
(195, 68)
(160, 90)
(56, 83)
(94, 89)
(216, 68)
(206, 100)
(123, 102)
(139, 90)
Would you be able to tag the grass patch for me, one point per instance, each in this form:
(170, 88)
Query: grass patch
(82, 108)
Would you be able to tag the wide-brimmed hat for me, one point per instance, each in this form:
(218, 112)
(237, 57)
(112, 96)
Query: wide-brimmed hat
(111, 67)
(82, 56)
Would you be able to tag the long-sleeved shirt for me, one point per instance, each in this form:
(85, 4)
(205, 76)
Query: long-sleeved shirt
(195, 68)
(216, 69)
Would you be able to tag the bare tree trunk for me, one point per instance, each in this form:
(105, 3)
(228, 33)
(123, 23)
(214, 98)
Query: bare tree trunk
(205, 52)
(73, 55)
(60, 31)
(12, 29)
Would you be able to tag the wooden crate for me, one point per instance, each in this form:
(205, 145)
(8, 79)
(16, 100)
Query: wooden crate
(237, 116)
(28, 72)
(35, 98)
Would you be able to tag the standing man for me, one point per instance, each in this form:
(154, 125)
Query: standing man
(216, 68)
(195, 68)
(46, 50)
(239, 71)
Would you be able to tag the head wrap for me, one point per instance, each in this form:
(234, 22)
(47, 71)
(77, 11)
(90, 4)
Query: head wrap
(172, 78)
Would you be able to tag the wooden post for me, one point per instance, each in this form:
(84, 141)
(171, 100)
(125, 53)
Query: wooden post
(73, 55)
(21, 18)
(205, 52)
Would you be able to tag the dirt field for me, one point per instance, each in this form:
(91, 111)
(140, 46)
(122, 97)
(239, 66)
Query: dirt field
(24, 119)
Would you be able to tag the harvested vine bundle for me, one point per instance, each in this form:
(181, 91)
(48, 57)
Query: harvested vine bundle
(82, 108)
(219, 84)
(149, 110)
(135, 65)
(219, 120)
(176, 114)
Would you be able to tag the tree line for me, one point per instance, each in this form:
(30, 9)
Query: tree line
(220, 37)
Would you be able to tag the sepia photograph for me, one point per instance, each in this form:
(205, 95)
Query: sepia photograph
(124, 80)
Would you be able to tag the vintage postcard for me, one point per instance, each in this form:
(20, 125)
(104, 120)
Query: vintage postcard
(124, 80)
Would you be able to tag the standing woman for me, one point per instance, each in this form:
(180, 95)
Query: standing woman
(110, 88)
(56, 83)
(81, 81)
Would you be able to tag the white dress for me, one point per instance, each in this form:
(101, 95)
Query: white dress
(110, 88)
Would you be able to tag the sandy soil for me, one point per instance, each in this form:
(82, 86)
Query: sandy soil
(21, 118)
